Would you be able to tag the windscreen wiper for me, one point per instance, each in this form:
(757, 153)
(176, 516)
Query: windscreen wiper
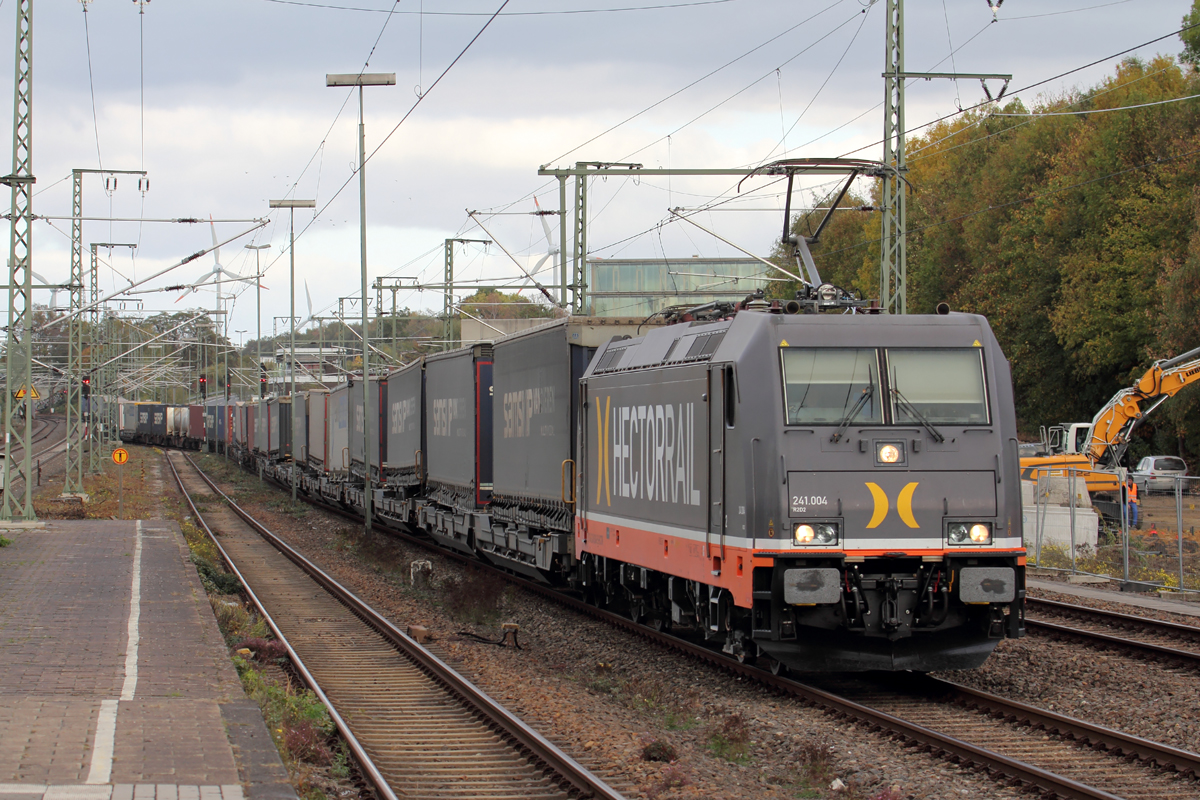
(858, 406)
(934, 432)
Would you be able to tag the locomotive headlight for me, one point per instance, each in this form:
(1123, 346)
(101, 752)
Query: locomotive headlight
(960, 533)
(815, 533)
(827, 533)
(889, 454)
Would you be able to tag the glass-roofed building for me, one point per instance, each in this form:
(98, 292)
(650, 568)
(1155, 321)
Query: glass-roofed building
(640, 287)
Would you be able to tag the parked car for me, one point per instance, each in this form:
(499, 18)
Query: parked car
(1158, 473)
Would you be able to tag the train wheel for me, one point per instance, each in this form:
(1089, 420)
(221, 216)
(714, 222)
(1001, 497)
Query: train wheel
(775, 667)
(636, 610)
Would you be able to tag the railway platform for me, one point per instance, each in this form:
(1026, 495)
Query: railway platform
(114, 679)
(1137, 599)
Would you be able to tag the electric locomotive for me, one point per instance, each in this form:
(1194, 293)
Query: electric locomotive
(833, 491)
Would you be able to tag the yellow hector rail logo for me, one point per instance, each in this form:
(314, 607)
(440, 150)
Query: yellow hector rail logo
(903, 505)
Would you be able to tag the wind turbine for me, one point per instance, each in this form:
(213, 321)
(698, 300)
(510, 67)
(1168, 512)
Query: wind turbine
(53, 291)
(216, 272)
(308, 296)
(552, 247)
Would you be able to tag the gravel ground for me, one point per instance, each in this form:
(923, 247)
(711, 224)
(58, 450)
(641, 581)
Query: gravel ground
(608, 697)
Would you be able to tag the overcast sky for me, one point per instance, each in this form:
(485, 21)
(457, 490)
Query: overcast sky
(224, 104)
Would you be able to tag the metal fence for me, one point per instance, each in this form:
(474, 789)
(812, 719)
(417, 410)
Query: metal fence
(1069, 528)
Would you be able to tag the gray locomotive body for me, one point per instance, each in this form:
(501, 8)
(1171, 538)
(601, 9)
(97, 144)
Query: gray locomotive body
(838, 492)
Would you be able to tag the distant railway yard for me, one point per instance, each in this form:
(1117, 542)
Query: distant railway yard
(640, 714)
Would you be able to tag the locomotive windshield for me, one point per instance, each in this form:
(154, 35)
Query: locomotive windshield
(945, 387)
(830, 386)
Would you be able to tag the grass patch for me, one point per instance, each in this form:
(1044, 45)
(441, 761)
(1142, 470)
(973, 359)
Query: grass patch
(215, 579)
(236, 623)
(729, 739)
(298, 721)
(5, 542)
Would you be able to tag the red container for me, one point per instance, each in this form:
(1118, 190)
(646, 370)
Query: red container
(196, 423)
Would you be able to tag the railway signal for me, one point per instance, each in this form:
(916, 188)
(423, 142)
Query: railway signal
(203, 387)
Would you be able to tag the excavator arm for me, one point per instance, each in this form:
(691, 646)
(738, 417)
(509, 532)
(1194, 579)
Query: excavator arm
(1112, 427)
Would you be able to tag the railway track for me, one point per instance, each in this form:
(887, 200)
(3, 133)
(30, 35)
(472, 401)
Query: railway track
(417, 728)
(1148, 638)
(1075, 758)
(1012, 742)
(48, 427)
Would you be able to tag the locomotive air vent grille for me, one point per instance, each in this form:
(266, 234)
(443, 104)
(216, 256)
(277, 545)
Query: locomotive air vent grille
(697, 347)
(671, 351)
(710, 345)
(610, 360)
(703, 347)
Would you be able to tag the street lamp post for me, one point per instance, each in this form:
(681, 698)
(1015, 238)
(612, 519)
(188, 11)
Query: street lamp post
(291, 206)
(360, 80)
(262, 389)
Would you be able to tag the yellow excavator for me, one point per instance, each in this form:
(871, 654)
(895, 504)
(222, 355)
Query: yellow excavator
(1096, 449)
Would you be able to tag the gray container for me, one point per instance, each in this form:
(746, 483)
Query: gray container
(318, 443)
(337, 432)
(458, 423)
(405, 424)
(239, 424)
(536, 378)
(262, 428)
(128, 420)
(281, 427)
(356, 439)
(300, 427)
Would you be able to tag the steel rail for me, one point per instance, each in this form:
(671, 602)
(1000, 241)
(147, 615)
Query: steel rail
(360, 754)
(956, 750)
(1118, 619)
(580, 778)
(1096, 736)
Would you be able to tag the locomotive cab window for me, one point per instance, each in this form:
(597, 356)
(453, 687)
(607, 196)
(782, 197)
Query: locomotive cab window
(945, 387)
(831, 385)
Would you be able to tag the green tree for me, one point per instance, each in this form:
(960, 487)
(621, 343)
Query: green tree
(1191, 38)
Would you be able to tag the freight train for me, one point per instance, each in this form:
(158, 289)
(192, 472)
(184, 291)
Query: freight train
(819, 491)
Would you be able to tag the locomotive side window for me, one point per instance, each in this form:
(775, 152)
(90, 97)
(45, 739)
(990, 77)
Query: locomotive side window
(945, 387)
(831, 385)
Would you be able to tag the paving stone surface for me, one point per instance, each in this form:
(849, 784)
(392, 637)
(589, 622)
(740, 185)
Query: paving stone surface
(65, 601)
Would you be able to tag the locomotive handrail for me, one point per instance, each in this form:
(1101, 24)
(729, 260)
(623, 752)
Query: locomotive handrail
(570, 461)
